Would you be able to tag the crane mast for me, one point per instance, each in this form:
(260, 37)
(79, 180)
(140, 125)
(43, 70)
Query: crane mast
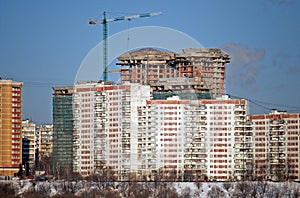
(104, 47)
(104, 22)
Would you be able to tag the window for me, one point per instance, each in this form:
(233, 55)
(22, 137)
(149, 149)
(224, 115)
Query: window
(16, 88)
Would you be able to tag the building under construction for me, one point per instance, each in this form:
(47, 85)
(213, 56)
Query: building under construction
(63, 127)
(198, 72)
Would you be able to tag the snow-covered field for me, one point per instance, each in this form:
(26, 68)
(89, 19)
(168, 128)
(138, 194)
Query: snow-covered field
(152, 189)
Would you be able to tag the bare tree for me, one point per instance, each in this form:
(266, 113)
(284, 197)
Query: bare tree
(7, 190)
(166, 192)
(216, 192)
(295, 191)
(186, 193)
(136, 190)
(31, 193)
(227, 185)
(45, 164)
(104, 178)
(241, 190)
(287, 171)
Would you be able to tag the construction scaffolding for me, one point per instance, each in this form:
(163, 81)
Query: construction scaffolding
(63, 127)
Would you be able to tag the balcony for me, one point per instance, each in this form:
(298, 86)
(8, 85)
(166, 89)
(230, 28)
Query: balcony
(277, 150)
(239, 129)
(277, 161)
(202, 123)
(277, 122)
(239, 108)
(276, 144)
(240, 118)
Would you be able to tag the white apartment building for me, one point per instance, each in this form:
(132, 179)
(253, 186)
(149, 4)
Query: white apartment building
(106, 127)
(195, 123)
(276, 145)
(226, 137)
(28, 143)
(45, 140)
(161, 139)
(194, 140)
(118, 127)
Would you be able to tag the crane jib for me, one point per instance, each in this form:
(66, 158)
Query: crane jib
(104, 22)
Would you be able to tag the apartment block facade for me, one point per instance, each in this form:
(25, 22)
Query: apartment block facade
(10, 127)
(226, 137)
(161, 139)
(28, 143)
(120, 128)
(276, 146)
(106, 127)
(45, 140)
(194, 140)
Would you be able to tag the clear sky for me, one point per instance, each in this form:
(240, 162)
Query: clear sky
(43, 43)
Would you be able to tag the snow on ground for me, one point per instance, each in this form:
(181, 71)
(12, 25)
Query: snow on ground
(184, 189)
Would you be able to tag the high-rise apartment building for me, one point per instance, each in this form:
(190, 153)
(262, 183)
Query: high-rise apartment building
(45, 140)
(195, 154)
(28, 143)
(276, 146)
(10, 127)
(225, 137)
(106, 127)
(63, 127)
(162, 139)
(205, 69)
(194, 140)
(119, 127)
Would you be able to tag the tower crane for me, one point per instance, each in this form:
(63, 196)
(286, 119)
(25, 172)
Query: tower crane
(105, 21)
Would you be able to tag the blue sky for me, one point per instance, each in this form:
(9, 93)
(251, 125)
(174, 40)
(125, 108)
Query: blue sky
(43, 43)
